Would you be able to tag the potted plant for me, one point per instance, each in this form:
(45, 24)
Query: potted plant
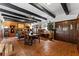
(50, 27)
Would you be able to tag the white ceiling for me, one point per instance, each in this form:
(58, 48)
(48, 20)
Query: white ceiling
(54, 8)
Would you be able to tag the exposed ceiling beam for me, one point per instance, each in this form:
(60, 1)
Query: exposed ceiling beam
(10, 19)
(17, 14)
(65, 8)
(33, 4)
(40, 7)
(22, 10)
(17, 17)
(14, 19)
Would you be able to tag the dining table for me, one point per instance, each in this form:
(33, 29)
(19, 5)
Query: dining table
(32, 38)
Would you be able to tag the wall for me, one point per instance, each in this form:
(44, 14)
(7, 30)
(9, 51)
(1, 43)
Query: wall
(1, 27)
(63, 17)
(8, 23)
(16, 24)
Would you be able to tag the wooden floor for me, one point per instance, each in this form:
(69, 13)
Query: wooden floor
(44, 48)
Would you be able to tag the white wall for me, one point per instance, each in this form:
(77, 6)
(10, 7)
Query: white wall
(65, 17)
(1, 26)
(1, 20)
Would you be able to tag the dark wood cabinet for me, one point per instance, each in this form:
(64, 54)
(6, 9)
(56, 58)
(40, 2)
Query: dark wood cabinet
(59, 31)
(72, 31)
(62, 31)
(67, 31)
(77, 30)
